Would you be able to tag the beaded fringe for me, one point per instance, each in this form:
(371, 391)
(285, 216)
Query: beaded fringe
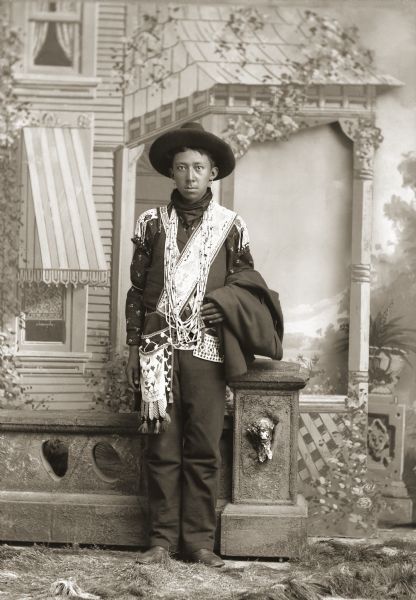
(154, 426)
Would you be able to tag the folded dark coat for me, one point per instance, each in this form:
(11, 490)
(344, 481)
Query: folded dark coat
(253, 320)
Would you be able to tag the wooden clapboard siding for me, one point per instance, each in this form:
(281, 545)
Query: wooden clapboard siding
(108, 134)
(99, 307)
(41, 390)
(64, 401)
(68, 402)
(107, 108)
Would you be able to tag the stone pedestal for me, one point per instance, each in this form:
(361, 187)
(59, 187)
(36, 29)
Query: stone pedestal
(267, 517)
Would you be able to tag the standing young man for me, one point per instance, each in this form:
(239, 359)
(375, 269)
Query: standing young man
(196, 313)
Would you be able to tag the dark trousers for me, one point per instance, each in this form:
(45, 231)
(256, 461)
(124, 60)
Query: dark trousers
(183, 461)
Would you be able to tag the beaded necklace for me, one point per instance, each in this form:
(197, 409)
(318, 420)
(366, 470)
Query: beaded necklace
(185, 331)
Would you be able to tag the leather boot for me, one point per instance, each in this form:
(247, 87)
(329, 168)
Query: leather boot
(155, 554)
(206, 557)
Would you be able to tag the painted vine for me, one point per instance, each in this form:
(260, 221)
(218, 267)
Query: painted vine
(13, 114)
(329, 53)
(344, 494)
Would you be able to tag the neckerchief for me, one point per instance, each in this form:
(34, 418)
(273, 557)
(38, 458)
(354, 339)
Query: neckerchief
(190, 211)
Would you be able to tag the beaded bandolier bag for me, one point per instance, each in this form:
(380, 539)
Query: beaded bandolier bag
(185, 280)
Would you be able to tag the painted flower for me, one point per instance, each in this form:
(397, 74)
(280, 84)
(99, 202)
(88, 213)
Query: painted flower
(370, 488)
(364, 502)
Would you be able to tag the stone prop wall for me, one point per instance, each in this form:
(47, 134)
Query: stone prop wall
(66, 477)
(71, 479)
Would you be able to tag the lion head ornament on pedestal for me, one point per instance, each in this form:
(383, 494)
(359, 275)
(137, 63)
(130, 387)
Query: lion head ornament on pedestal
(262, 434)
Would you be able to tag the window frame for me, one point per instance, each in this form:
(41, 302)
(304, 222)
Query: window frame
(56, 17)
(25, 13)
(75, 311)
(25, 288)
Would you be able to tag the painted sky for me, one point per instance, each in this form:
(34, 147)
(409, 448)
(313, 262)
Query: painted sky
(312, 320)
(296, 199)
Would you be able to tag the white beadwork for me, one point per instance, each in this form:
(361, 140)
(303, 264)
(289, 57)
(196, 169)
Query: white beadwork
(186, 331)
(243, 231)
(209, 348)
(142, 221)
(152, 382)
(186, 273)
(156, 369)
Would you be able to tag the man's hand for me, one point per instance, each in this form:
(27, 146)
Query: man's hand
(133, 368)
(211, 313)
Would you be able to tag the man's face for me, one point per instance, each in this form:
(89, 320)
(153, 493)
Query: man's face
(192, 173)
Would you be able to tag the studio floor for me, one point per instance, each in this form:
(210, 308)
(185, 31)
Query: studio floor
(383, 567)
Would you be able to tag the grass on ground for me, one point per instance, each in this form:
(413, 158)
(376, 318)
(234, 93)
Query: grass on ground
(327, 568)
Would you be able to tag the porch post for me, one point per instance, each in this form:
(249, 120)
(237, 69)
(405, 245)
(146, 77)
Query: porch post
(366, 138)
(125, 161)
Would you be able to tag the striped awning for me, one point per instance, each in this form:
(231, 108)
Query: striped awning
(63, 243)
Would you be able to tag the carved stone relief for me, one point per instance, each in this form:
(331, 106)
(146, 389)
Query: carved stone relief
(47, 462)
(264, 429)
(263, 437)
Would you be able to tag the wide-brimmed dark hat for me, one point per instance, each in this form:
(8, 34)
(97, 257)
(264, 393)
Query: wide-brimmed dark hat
(191, 135)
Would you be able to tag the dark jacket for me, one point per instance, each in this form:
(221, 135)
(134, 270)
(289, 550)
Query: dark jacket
(253, 320)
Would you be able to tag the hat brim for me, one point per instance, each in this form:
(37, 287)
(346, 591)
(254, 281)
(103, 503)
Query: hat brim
(161, 150)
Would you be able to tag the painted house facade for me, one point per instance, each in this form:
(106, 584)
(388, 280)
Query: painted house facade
(67, 192)
(86, 178)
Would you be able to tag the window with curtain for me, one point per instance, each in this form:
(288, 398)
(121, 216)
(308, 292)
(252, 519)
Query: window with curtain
(55, 32)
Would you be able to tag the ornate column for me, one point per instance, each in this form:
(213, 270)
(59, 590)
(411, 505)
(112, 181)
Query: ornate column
(366, 138)
(267, 517)
(125, 162)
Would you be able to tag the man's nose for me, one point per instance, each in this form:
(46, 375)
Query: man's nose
(190, 174)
